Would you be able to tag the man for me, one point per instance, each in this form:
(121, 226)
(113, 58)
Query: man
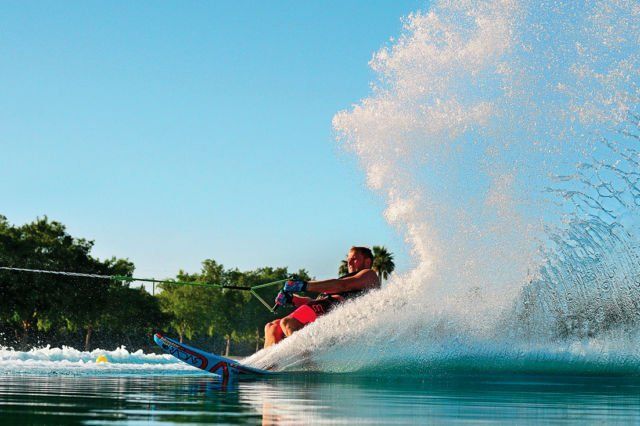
(359, 279)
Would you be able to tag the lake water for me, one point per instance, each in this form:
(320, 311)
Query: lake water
(186, 396)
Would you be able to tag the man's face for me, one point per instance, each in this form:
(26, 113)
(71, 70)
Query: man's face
(356, 262)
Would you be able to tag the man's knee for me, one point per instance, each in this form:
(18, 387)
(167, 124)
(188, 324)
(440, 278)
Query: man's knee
(272, 327)
(273, 332)
(289, 325)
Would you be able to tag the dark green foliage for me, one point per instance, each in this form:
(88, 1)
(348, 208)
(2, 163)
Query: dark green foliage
(62, 308)
(343, 269)
(383, 262)
(39, 309)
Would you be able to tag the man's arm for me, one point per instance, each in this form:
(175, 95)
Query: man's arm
(300, 300)
(365, 279)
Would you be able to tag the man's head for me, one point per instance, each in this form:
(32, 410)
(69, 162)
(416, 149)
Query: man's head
(359, 258)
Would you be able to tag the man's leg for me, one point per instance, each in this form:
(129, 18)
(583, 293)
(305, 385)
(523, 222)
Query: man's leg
(302, 316)
(305, 314)
(272, 333)
(290, 324)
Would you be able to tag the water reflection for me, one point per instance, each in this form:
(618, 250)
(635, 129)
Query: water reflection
(330, 399)
(317, 399)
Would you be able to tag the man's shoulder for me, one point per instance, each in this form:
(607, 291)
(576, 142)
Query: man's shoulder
(371, 276)
(360, 273)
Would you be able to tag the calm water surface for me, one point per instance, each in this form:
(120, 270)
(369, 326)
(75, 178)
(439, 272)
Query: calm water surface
(317, 399)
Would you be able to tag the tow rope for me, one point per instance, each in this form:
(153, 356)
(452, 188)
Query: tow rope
(153, 281)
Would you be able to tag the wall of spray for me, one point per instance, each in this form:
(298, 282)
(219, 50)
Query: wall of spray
(503, 137)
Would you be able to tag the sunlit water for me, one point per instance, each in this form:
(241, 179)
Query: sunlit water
(316, 399)
(57, 386)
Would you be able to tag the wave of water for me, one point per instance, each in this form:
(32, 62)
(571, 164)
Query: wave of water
(503, 136)
(70, 361)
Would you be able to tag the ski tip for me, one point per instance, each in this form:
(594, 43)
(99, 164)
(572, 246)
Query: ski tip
(158, 338)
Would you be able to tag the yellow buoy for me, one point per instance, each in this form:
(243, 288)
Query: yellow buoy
(101, 358)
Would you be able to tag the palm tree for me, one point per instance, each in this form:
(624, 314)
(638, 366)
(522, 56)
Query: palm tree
(343, 269)
(383, 262)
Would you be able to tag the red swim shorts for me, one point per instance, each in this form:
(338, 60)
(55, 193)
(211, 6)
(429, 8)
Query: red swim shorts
(311, 311)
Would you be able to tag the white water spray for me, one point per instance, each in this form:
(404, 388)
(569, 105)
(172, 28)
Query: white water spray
(479, 109)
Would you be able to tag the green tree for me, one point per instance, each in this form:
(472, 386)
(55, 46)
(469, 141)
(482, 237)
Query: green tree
(131, 313)
(343, 269)
(226, 311)
(189, 307)
(89, 303)
(383, 262)
(91, 311)
(37, 302)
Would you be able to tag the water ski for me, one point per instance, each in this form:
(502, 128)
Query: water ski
(206, 361)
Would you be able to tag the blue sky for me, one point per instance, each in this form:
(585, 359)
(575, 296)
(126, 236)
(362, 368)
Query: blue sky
(173, 132)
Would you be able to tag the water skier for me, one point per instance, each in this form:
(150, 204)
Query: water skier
(360, 279)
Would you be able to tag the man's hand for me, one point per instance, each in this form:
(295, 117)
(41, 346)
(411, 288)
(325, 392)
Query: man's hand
(284, 298)
(293, 286)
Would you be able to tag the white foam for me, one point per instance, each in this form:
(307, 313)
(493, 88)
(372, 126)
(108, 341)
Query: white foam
(67, 360)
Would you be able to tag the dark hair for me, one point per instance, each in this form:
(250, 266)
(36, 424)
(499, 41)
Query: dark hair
(364, 251)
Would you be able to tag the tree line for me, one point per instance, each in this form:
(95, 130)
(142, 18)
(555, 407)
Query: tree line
(88, 312)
